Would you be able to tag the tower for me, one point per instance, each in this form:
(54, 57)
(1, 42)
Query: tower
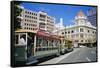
(80, 18)
(61, 21)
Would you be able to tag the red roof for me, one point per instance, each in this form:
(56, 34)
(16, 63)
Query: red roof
(80, 13)
(43, 33)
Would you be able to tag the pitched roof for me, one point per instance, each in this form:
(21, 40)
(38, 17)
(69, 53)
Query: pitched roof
(80, 13)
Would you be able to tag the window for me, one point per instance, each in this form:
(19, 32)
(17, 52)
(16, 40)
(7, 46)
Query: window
(81, 30)
(42, 16)
(22, 39)
(82, 21)
(89, 41)
(42, 19)
(77, 29)
(81, 35)
(30, 12)
(25, 11)
(76, 41)
(25, 15)
(16, 39)
(35, 17)
(35, 21)
(33, 25)
(24, 27)
(45, 43)
(81, 40)
(39, 44)
(62, 32)
(88, 31)
(35, 14)
(25, 19)
(30, 16)
(65, 32)
(77, 35)
(48, 21)
(68, 32)
(25, 23)
(73, 36)
(29, 24)
(72, 31)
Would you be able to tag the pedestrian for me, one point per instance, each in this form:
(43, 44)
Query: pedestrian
(22, 40)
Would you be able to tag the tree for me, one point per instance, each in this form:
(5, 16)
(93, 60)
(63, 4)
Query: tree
(69, 44)
(17, 11)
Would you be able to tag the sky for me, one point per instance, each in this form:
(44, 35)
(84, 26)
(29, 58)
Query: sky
(67, 12)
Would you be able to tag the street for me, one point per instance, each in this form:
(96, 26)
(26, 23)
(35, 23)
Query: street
(82, 54)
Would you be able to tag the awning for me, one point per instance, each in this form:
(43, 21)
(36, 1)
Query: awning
(43, 34)
(46, 34)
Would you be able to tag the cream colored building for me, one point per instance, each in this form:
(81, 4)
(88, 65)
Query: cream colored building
(82, 32)
(46, 22)
(31, 20)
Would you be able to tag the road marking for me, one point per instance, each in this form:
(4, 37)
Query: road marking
(63, 57)
(88, 59)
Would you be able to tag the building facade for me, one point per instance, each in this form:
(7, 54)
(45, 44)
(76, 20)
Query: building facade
(81, 33)
(29, 20)
(32, 20)
(46, 22)
(58, 26)
(92, 16)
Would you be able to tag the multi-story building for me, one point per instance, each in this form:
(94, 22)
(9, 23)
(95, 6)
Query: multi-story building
(82, 32)
(32, 20)
(92, 16)
(59, 26)
(29, 20)
(46, 22)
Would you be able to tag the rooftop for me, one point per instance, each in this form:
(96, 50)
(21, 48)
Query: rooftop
(80, 13)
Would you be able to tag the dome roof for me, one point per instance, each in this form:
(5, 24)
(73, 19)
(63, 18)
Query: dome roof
(80, 13)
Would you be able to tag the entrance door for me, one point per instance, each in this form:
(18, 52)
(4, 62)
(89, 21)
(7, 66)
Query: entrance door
(30, 45)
